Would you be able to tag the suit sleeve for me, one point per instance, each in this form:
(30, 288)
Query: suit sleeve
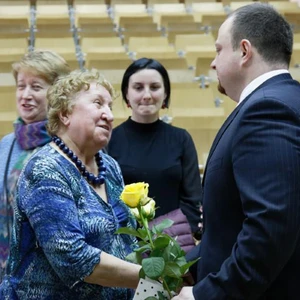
(191, 190)
(266, 167)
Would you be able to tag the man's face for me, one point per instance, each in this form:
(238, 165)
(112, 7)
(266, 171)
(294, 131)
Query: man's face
(226, 62)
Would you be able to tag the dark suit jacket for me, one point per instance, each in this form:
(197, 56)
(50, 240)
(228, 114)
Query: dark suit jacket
(251, 243)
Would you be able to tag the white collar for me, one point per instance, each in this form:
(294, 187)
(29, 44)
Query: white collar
(254, 84)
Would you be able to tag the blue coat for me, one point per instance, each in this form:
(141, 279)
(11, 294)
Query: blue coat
(251, 244)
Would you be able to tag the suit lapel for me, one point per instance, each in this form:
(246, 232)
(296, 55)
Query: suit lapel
(220, 134)
(273, 80)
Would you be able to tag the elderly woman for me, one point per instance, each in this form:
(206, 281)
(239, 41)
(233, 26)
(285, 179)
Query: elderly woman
(34, 73)
(68, 209)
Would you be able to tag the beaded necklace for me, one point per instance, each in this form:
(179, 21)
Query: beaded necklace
(90, 177)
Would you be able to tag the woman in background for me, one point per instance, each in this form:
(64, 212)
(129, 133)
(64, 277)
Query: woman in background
(149, 150)
(68, 205)
(34, 73)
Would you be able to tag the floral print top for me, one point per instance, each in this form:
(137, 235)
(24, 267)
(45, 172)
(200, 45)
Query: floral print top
(61, 226)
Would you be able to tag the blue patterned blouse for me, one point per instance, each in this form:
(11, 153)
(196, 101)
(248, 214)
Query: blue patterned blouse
(61, 226)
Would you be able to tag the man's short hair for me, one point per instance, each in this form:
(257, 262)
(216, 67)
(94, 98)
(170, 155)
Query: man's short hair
(266, 30)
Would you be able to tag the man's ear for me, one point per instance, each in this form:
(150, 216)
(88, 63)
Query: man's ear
(246, 50)
(64, 118)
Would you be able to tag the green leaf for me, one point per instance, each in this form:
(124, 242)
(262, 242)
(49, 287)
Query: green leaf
(181, 261)
(153, 267)
(173, 270)
(143, 234)
(161, 242)
(128, 230)
(161, 296)
(142, 274)
(142, 249)
(175, 250)
(166, 253)
(157, 253)
(172, 283)
(142, 243)
(134, 257)
(166, 223)
(185, 267)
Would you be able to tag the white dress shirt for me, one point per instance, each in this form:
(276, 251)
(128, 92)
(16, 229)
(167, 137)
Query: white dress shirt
(254, 84)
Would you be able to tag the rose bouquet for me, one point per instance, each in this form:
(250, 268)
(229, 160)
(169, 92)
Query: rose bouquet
(160, 255)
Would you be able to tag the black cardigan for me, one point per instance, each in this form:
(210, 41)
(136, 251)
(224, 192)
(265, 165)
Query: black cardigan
(165, 157)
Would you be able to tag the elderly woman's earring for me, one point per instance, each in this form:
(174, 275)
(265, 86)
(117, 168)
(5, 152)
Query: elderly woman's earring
(164, 105)
(128, 105)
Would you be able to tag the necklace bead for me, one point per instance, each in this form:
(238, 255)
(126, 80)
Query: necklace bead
(90, 177)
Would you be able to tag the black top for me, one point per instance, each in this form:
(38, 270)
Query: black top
(165, 157)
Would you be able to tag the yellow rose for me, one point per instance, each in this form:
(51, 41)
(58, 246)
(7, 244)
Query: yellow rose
(134, 194)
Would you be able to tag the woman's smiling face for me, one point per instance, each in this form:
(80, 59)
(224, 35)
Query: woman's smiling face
(31, 97)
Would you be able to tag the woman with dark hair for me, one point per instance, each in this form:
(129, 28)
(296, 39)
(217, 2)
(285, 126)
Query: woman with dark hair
(152, 151)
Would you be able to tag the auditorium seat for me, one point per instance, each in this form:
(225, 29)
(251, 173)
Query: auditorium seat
(52, 20)
(154, 47)
(173, 29)
(295, 61)
(296, 37)
(191, 101)
(193, 108)
(192, 46)
(11, 49)
(188, 3)
(128, 10)
(91, 2)
(293, 17)
(164, 13)
(134, 21)
(150, 3)
(227, 3)
(200, 58)
(114, 2)
(7, 92)
(93, 20)
(14, 21)
(14, 2)
(233, 5)
(285, 6)
(62, 45)
(295, 72)
(8, 111)
(120, 110)
(210, 15)
(105, 53)
(173, 19)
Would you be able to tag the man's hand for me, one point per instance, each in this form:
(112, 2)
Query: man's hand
(185, 294)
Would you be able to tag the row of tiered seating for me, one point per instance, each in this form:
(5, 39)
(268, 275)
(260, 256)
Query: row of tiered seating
(108, 35)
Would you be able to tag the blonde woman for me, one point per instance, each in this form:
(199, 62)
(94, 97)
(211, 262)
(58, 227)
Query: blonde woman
(34, 73)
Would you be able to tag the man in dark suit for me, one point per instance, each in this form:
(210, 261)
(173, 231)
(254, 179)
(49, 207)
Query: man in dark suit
(250, 248)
